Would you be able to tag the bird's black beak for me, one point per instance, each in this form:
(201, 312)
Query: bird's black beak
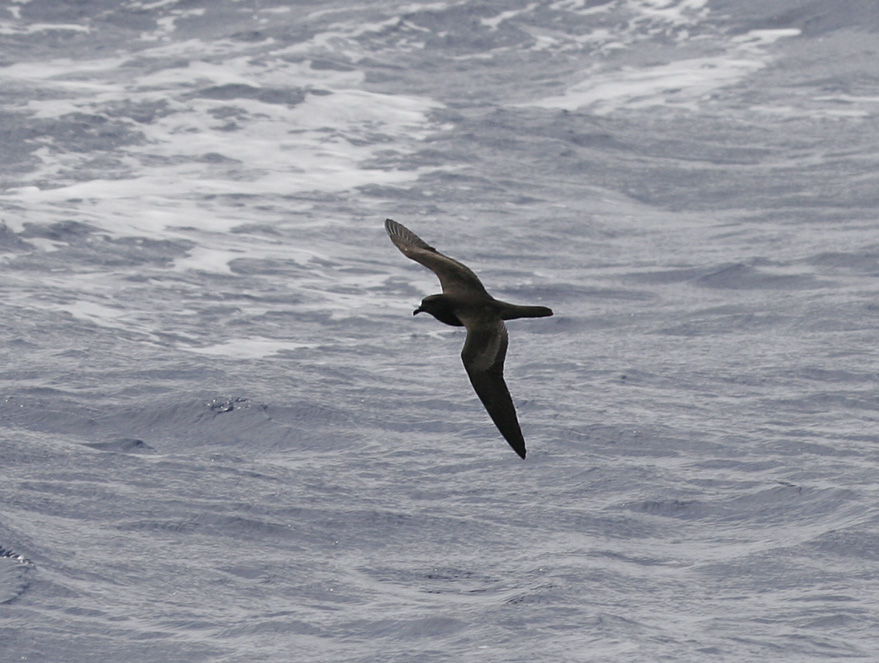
(417, 311)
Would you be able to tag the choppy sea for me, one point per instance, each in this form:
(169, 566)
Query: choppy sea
(225, 438)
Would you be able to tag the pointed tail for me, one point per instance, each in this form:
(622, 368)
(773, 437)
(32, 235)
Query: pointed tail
(513, 311)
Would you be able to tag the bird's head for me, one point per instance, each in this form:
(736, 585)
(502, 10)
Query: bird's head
(432, 304)
(440, 308)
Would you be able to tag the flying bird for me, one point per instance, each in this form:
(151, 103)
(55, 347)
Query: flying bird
(465, 303)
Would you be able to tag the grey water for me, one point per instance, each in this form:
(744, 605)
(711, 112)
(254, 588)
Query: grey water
(224, 437)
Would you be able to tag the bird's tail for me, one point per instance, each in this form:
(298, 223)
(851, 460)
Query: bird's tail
(513, 311)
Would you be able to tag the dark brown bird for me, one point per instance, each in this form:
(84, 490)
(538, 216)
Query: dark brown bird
(465, 303)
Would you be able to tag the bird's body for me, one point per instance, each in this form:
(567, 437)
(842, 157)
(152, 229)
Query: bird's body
(465, 302)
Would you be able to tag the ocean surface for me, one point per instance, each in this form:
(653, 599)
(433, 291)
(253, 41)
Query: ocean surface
(224, 437)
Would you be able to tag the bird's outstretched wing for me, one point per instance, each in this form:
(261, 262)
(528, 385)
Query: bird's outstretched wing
(484, 352)
(453, 275)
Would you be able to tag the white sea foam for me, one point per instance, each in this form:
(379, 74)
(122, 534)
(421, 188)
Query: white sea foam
(817, 113)
(493, 22)
(683, 83)
(671, 11)
(105, 316)
(645, 19)
(208, 260)
(314, 145)
(64, 71)
(331, 141)
(7, 28)
(667, 11)
(757, 40)
(248, 348)
(825, 106)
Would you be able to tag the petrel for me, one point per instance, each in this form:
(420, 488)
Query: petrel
(465, 303)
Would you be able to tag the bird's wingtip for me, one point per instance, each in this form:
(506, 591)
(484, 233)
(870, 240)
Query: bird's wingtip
(394, 229)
